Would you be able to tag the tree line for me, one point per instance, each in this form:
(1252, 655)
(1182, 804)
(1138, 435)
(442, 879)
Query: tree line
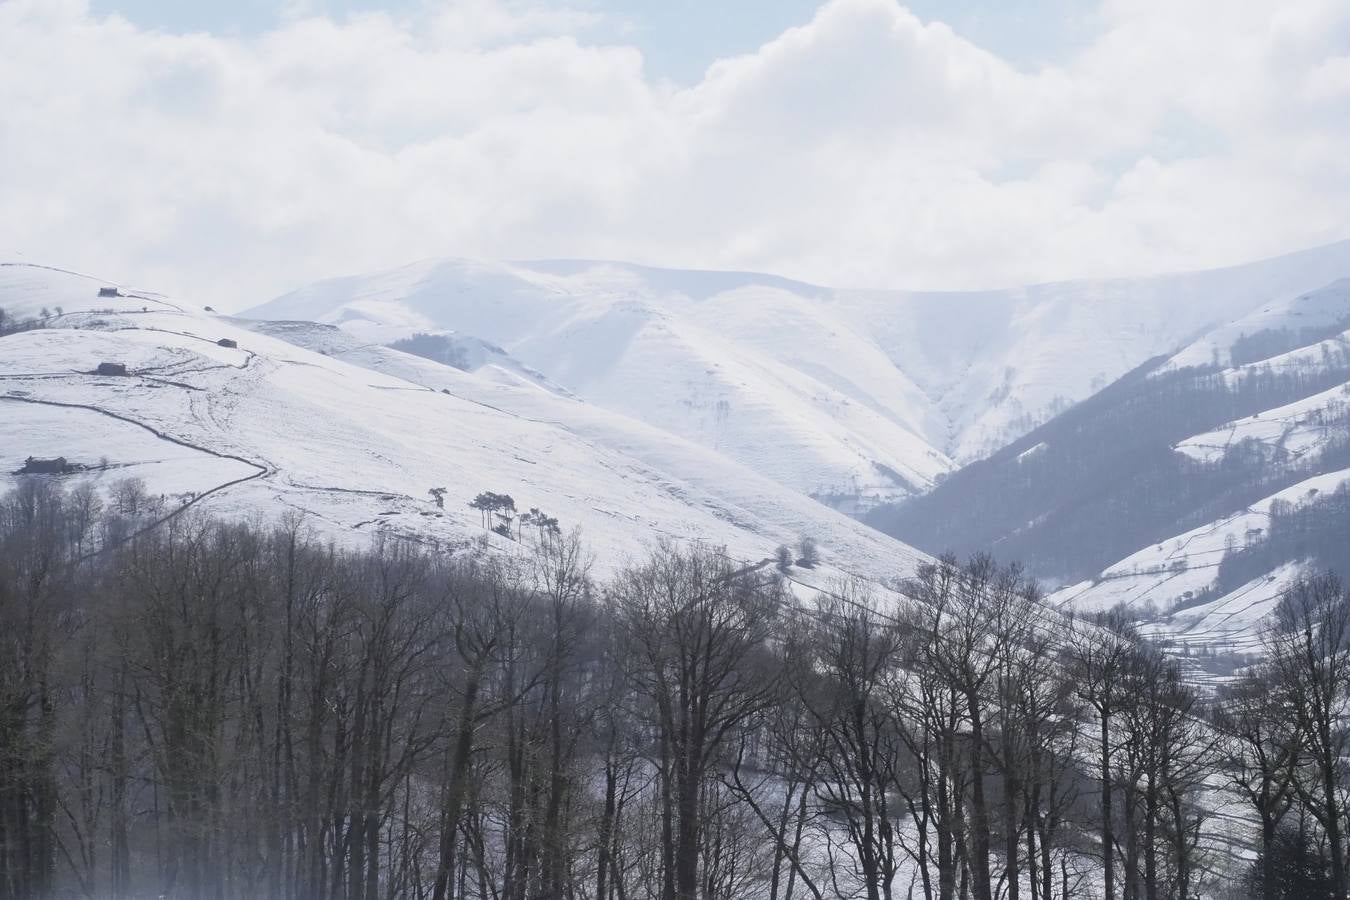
(1270, 342)
(12, 324)
(224, 709)
(1313, 528)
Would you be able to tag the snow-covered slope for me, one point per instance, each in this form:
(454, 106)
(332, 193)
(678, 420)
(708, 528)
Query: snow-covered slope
(270, 425)
(1298, 322)
(856, 397)
(1291, 432)
(1177, 585)
(754, 368)
(1183, 566)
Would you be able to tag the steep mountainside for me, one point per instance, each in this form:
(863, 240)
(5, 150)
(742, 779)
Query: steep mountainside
(267, 425)
(1199, 484)
(853, 397)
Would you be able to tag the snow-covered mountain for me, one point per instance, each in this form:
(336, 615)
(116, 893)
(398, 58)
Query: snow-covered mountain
(853, 397)
(1210, 587)
(241, 421)
(640, 403)
(756, 369)
(1193, 490)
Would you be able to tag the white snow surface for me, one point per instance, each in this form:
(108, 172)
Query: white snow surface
(1329, 305)
(1156, 578)
(855, 397)
(355, 437)
(1295, 430)
(1231, 622)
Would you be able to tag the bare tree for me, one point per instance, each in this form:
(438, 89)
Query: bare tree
(1309, 652)
(482, 606)
(220, 709)
(852, 653)
(1260, 752)
(1100, 654)
(700, 627)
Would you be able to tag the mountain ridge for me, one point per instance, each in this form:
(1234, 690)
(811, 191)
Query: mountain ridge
(897, 382)
(206, 400)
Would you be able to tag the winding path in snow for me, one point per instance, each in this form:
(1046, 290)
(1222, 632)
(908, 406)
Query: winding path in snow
(262, 470)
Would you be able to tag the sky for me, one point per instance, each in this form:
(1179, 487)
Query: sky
(229, 152)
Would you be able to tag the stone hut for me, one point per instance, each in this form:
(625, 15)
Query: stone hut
(35, 466)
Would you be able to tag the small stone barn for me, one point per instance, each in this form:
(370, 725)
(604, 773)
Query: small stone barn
(34, 466)
(111, 368)
(227, 342)
(109, 292)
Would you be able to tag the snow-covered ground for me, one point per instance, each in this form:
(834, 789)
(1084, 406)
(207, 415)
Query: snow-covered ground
(1184, 565)
(1296, 430)
(1326, 306)
(1231, 623)
(356, 444)
(854, 397)
(758, 372)
(1155, 579)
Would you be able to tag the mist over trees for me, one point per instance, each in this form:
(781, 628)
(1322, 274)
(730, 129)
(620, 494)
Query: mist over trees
(218, 709)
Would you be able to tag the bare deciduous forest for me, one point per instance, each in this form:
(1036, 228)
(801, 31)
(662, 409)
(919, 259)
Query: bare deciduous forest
(225, 710)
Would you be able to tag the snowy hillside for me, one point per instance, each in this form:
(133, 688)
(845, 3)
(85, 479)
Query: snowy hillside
(641, 403)
(1211, 587)
(1191, 490)
(756, 369)
(1181, 568)
(854, 397)
(270, 425)
(1182, 596)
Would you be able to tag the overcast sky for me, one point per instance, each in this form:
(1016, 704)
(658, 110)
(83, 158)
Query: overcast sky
(231, 151)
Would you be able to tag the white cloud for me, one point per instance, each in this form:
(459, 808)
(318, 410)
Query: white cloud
(866, 147)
